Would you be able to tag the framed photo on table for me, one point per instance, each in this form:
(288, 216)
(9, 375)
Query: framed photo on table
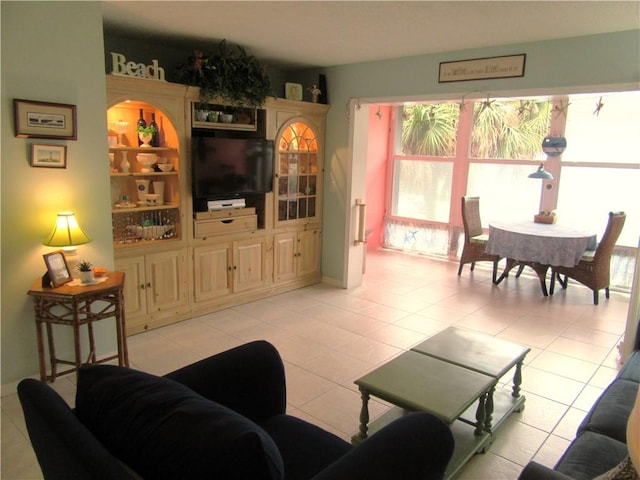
(57, 269)
(44, 120)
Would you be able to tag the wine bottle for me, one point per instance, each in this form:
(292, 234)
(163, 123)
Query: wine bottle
(141, 123)
(155, 139)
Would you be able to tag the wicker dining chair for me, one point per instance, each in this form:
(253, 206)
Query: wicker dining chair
(593, 269)
(475, 240)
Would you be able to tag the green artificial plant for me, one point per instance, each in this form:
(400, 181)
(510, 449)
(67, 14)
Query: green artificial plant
(228, 74)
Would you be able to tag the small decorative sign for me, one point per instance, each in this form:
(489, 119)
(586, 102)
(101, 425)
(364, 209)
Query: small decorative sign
(482, 68)
(121, 67)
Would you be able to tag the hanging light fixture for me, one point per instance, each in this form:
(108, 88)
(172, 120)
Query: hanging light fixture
(541, 173)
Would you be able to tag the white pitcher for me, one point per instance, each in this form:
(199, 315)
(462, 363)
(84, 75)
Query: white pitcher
(158, 187)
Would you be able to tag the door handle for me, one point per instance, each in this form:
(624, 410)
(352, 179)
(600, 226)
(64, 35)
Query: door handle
(362, 217)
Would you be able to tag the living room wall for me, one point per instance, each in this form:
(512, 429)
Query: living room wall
(587, 63)
(51, 52)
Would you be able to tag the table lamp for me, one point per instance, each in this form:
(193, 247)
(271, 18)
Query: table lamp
(67, 234)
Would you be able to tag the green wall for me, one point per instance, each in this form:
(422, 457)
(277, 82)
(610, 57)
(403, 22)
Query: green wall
(51, 51)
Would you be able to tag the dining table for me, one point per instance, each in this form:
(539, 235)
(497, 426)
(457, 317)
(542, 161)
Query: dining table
(538, 246)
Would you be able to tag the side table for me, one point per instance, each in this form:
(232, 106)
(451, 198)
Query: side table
(77, 305)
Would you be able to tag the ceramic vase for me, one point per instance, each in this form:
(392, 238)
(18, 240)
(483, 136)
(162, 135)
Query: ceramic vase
(142, 186)
(145, 138)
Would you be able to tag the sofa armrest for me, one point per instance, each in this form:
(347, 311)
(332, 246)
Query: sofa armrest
(249, 379)
(417, 445)
(535, 471)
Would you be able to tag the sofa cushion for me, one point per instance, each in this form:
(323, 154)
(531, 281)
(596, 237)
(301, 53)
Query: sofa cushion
(610, 414)
(305, 448)
(631, 368)
(164, 430)
(591, 454)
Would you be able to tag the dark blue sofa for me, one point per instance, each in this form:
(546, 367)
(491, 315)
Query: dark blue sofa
(223, 417)
(600, 442)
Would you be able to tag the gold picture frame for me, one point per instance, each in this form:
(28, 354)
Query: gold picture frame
(57, 269)
(48, 156)
(34, 119)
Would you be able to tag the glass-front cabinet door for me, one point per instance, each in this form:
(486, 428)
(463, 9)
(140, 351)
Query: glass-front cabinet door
(298, 173)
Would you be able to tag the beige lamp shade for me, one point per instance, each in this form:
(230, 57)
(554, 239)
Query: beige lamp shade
(67, 232)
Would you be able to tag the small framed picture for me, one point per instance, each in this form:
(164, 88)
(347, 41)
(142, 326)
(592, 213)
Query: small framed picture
(293, 91)
(57, 268)
(44, 120)
(49, 156)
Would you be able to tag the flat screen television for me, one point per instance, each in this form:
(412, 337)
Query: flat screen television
(230, 167)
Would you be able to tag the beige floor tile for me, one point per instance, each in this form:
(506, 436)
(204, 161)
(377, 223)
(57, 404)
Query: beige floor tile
(551, 450)
(541, 413)
(489, 466)
(551, 386)
(565, 366)
(568, 425)
(517, 441)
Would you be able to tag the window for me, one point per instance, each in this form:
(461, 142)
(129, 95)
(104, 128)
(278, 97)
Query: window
(488, 147)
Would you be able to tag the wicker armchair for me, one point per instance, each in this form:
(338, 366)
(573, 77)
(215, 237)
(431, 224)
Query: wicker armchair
(475, 240)
(593, 269)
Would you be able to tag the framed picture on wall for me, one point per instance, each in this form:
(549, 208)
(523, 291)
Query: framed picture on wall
(57, 269)
(48, 156)
(44, 120)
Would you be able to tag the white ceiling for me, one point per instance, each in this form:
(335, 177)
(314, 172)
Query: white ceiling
(326, 33)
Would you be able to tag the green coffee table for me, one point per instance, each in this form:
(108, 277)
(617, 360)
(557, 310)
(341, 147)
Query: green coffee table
(484, 354)
(417, 382)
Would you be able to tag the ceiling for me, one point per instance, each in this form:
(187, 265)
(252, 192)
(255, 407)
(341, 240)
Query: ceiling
(301, 34)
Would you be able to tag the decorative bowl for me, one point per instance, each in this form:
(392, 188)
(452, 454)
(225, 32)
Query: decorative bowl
(152, 198)
(226, 118)
(165, 167)
(146, 160)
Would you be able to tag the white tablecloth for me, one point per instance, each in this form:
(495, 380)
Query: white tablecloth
(548, 244)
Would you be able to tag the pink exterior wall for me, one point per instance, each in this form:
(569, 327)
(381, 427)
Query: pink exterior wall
(377, 152)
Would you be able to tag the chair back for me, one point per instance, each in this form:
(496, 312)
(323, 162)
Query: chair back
(471, 217)
(604, 249)
(64, 447)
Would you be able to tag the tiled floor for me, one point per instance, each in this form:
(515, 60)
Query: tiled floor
(328, 337)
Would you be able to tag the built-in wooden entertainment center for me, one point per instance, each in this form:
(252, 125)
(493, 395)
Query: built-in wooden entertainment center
(182, 261)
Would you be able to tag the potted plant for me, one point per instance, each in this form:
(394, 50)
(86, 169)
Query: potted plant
(86, 271)
(230, 75)
(145, 134)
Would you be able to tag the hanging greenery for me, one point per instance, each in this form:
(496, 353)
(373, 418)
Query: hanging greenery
(229, 74)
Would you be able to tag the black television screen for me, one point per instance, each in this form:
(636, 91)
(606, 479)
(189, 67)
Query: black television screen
(231, 167)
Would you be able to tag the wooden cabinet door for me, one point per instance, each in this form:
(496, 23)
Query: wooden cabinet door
(135, 299)
(166, 275)
(248, 264)
(211, 268)
(309, 251)
(284, 258)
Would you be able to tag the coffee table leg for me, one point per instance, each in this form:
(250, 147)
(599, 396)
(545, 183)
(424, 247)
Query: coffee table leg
(481, 415)
(489, 410)
(364, 418)
(517, 380)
